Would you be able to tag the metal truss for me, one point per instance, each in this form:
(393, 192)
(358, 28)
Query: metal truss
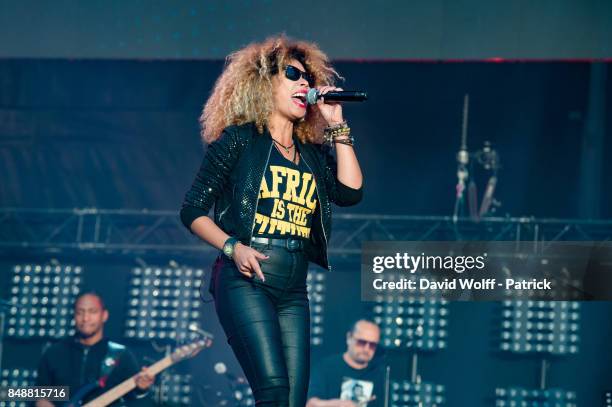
(144, 231)
(351, 230)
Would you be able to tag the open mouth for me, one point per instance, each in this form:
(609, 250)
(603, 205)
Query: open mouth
(299, 98)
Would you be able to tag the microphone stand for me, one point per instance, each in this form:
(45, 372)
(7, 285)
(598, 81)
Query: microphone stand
(488, 158)
(463, 158)
(387, 384)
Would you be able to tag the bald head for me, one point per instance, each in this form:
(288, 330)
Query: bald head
(364, 325)
(362, 341)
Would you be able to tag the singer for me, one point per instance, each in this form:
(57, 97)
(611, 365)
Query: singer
(272, 183)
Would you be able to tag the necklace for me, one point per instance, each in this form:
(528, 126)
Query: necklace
(286, 148)
(293, 160)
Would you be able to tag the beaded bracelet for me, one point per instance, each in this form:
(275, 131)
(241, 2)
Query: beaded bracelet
(332, 132)
(336, 126)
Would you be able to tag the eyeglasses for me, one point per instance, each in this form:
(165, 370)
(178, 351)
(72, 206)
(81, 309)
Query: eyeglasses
(294, 74)
(363, 343)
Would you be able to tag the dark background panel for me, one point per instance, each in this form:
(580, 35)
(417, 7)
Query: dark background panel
(124, 134)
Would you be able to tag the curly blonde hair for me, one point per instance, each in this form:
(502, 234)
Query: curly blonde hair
(243, 92)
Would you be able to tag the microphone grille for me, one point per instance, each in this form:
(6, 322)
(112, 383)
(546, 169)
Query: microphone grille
(312, 96)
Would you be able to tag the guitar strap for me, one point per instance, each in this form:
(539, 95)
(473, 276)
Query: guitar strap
(111, 360)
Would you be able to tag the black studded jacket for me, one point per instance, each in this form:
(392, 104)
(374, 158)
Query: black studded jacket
(230, 178)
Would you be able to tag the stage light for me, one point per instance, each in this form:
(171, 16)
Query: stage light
(162, 303)
(412, 322)
(243, 395)
(516, 396)
(407, 394)
(43, 295)
(315, 282)
(547, 327)
(17, 378)
(175, 389)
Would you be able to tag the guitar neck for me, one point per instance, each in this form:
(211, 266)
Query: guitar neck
(128, 385)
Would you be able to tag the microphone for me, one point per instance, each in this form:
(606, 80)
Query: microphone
(336, 96)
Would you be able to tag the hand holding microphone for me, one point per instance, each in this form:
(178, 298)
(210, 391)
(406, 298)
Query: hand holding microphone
(327, 97)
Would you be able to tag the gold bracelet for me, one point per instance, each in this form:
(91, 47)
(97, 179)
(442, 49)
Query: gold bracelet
(336, 126)
(349, 141)
(331, 133)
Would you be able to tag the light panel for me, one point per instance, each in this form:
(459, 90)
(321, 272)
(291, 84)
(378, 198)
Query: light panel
(410, 323)
(17, 378)
(176, 389)
(315, 282)
(408, 394)
(520, 397)
(548, 327)
(43, 296)
(162, 303)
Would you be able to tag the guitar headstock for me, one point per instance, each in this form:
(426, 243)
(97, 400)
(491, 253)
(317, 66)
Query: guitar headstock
(190, 350)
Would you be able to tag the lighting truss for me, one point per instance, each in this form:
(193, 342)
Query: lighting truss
(130, 231)
(42, 296)
(566, 287)
(546, 327)
(163, 302)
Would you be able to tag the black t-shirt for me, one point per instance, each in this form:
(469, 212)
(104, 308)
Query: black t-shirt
(287, 199)
(70, 363)
(333, 378)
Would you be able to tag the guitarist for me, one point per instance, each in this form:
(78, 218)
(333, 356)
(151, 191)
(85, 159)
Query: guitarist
(89, 357)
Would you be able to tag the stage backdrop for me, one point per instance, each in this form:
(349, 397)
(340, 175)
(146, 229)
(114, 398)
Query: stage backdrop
(125, 134)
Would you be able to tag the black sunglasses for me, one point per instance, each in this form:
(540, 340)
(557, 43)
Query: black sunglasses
(294, 74)
(362, 343)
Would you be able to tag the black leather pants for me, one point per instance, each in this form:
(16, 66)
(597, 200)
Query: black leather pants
(268, 324)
